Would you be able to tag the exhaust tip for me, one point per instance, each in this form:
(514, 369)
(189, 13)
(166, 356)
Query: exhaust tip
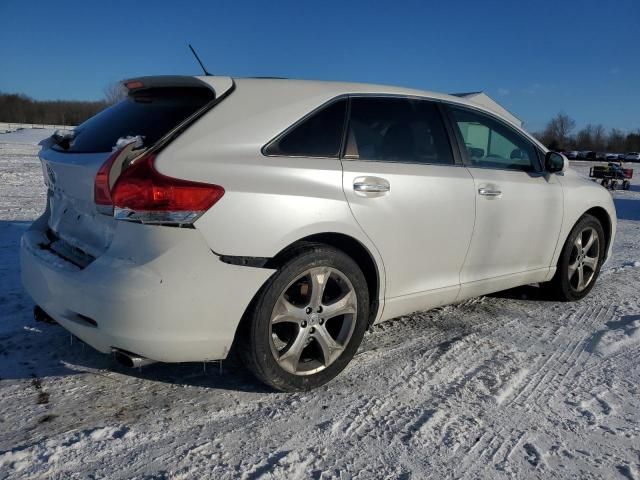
(130, 360)
(123, 359)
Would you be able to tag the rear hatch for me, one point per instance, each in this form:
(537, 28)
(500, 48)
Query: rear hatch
(155, 111)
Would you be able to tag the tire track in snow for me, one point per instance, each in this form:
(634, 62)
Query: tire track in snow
(565, 358)
(548, 369)
(559, 381)
(540, 370)
(553, 371)
(571, 354)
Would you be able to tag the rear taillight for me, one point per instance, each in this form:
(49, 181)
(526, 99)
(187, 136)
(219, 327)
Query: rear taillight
(101, 186)
(142, 194)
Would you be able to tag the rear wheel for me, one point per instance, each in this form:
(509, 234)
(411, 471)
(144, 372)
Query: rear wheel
(308, 320)
(580, 261)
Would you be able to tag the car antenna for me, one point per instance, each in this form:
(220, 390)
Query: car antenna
(200, 62)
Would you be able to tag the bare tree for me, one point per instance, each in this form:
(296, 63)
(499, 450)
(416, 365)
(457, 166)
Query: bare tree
(615, 140)
(114, 92)
(557, 134)
(599, 138)
(584, 138)
(632, 142)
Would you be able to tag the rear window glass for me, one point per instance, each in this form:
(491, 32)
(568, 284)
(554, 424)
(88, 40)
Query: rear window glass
(150, 114)
(319, 135)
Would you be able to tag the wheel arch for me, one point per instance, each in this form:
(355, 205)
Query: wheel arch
(604, 219)
(350, 246)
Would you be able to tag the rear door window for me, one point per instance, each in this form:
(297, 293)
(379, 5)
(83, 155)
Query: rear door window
(318, 135)
(397, 130)
(150, 113)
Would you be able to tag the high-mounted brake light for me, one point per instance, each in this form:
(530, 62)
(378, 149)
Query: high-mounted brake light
(134, 84)
(142, 194)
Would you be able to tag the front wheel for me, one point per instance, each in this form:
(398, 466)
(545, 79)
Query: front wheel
(308, 320)
(580, 261)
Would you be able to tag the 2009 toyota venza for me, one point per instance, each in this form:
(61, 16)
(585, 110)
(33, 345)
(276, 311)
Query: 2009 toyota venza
(285, 217)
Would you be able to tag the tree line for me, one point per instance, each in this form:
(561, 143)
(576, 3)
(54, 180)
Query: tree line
(560, 134)
(19, 108)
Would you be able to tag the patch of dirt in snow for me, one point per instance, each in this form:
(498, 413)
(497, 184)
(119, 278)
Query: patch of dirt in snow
(503, 386)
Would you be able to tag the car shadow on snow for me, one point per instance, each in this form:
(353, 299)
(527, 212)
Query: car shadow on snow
(524, 292)
(627, 208)
(35, 350)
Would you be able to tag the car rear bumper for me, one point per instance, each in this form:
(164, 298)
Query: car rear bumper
(158, 292)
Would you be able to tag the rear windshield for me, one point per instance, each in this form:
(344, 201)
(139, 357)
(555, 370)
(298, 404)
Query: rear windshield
(150, 113)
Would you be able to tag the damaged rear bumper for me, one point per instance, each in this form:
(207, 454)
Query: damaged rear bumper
(156, 291)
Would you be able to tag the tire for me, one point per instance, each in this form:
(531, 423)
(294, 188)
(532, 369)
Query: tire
(565, 286)
(286, 317)
(614, 185)
(626, 185)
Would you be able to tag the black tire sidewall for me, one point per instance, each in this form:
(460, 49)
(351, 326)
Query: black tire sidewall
(564, 289)
(257, 345)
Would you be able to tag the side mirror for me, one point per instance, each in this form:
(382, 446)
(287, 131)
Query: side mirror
(555, 162)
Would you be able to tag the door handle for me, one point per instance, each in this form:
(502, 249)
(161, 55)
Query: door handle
(371, 187)
(488, 192)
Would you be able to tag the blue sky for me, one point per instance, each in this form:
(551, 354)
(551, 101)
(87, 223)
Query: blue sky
(536, 57)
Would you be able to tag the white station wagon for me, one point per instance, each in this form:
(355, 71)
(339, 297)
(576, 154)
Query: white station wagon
(283, 218)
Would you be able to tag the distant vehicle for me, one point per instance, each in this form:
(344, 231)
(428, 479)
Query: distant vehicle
(601, 156)
(589, 155)
(572, 155)
(285, 217)
(632, 157)
(621, 156)
(611, 157)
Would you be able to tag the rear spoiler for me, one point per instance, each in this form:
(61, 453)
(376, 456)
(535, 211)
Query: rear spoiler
(219, 85)
(162, 81)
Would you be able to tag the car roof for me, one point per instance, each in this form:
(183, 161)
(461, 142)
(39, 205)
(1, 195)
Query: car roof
(335, 88)
(322, 87)
(313, 87)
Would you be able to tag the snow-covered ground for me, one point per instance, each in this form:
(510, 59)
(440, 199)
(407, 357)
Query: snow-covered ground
(503, 386)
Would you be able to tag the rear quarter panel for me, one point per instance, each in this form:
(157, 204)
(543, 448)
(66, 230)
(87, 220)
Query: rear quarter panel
(269, 202)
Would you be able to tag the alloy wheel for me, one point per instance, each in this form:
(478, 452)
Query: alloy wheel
(584, 258)
(313, 321)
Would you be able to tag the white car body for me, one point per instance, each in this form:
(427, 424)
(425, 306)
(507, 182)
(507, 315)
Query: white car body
(632, 157)
(178, 294)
